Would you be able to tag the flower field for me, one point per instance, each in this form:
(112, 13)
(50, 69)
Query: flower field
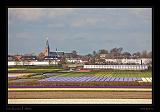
(85, 79)
(88, 79)
(101, 76)
(107, 74)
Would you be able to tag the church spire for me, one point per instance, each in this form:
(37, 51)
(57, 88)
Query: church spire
(47, 44)
(47, 50)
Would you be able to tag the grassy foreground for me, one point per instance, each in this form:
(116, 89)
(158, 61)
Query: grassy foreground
(32, 70)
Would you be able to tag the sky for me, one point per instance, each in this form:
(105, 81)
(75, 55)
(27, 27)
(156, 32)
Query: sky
(80, 29)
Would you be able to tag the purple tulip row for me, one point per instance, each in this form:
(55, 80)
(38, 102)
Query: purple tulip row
(89, 79)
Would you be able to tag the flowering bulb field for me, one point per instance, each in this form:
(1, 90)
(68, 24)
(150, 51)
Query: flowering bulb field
(101, 76)
(85, 79)
(88, 79)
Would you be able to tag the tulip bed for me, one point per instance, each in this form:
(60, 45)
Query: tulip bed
(91, 79)
(101, 76)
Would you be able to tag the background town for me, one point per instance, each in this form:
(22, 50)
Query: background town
(115, 56)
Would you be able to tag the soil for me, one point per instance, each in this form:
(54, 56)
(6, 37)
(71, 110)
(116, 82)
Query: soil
(79, 95)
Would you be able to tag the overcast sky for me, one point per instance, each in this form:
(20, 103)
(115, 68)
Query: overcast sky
(80, 29)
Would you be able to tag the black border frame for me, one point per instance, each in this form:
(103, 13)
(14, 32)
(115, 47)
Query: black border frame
(135, 107)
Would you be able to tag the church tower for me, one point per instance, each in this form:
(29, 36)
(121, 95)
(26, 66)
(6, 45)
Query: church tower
(47, 50)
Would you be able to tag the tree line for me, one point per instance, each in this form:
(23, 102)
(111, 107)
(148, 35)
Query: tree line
(118, 53)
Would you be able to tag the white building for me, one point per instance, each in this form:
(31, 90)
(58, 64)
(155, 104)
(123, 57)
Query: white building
(43, 63)
(74, 60)
(118, 67)
(130, 61)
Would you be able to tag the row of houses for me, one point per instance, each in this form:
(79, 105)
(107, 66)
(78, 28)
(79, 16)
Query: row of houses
(142, 62)
(55, 57)
(81, 66)
(83, 61)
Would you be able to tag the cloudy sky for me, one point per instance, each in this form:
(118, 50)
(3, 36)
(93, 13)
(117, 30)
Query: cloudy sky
(80, 29)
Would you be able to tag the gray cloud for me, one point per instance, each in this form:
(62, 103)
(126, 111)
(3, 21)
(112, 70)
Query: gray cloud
(82, 29)
(33, 14)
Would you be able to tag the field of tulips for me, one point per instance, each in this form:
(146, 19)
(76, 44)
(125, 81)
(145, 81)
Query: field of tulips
(86, 79)
(101, 76)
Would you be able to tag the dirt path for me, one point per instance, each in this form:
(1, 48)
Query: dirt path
(18, 74)
(79, 101)
(79, 95)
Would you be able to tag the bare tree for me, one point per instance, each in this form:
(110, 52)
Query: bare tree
(103, 51)
(116, 52)
(137, 54)
(94, 53)
(144, 54)
(74, 53)
(126, 54)
(89, 55)
(150, 54)
(41, 56)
